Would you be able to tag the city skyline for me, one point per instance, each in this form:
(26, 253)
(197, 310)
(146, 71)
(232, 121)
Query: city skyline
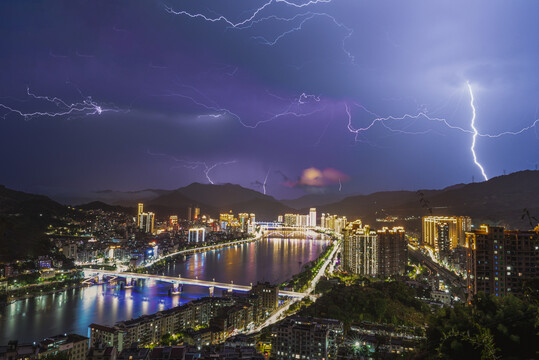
(135, 96)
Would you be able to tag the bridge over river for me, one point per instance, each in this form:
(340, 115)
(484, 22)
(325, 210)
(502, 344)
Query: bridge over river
(178, 282)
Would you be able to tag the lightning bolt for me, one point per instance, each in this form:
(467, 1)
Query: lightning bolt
(475, 133)
(87, 106)
(205, 166)
(265, 181)
(256, 17)
(388, 120)
(294, 108)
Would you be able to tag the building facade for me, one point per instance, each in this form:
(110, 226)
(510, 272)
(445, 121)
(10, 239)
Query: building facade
(360, 250)
(498, 261)
(306, 338)
(380, 253)
(443, 233)
(392, 252)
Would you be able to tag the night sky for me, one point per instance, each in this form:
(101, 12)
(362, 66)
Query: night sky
(284, 95)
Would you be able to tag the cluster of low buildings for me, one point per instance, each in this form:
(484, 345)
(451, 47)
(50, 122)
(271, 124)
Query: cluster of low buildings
(108, 237)
(75, 347)
(72, 346)
(208, 320)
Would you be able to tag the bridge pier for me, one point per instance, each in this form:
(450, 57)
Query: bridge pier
(100, 279)
(129, 282)
(177, 288)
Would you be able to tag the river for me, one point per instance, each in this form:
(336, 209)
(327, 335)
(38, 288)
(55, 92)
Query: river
(269, 259)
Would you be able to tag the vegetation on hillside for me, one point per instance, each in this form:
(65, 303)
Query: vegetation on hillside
(382, 302)
(489, 328)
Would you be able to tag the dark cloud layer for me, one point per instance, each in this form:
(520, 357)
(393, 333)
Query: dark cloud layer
(188, 95)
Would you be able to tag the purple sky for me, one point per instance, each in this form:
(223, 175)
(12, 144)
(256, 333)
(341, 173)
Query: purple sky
(283, 96)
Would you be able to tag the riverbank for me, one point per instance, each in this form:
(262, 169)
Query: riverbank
(274, 261)
(158, 265)
(300, 281)
(37, 291)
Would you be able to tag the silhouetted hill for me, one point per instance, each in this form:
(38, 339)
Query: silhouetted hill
(111, 197)
(215, 199)
(221, 196)
(264, 209)
(175, 202)
(99, 205)
(18, 202)
(500, 200)
(23, 220)
(312, 200)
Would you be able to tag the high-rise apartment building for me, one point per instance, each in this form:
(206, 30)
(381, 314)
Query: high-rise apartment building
(290, 219)
(380, 253)
(392, 252)
(333, 222)
(139, 211)
(146, 222)
(445, 232)
(312, 217)
(498, 260)
(360, 251)
(197, 235)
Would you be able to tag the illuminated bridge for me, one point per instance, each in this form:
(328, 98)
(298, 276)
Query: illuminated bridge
(271, 229)
(178, 282)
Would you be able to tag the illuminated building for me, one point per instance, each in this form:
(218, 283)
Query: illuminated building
(290, 219)
(360, 251)
(139, 211)
(197, 213)
(333, 222)
(70, 251)
(189, 213)
(227, 221)
(302, 220)
(392, 252)
(499, 260)
(70, 346)
(244, 221)
(197, 235)
(298, 219)
(280, 218)
(380, 253)
(173, 223)
(269, 295)
(312, 217)
(146, 222)
(306, 338)
(445, 232)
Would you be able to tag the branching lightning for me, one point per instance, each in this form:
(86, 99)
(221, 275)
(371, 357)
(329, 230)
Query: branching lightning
(255, 17)
(188, 164)
(85, 107)
(294, 107)
(388, 120)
